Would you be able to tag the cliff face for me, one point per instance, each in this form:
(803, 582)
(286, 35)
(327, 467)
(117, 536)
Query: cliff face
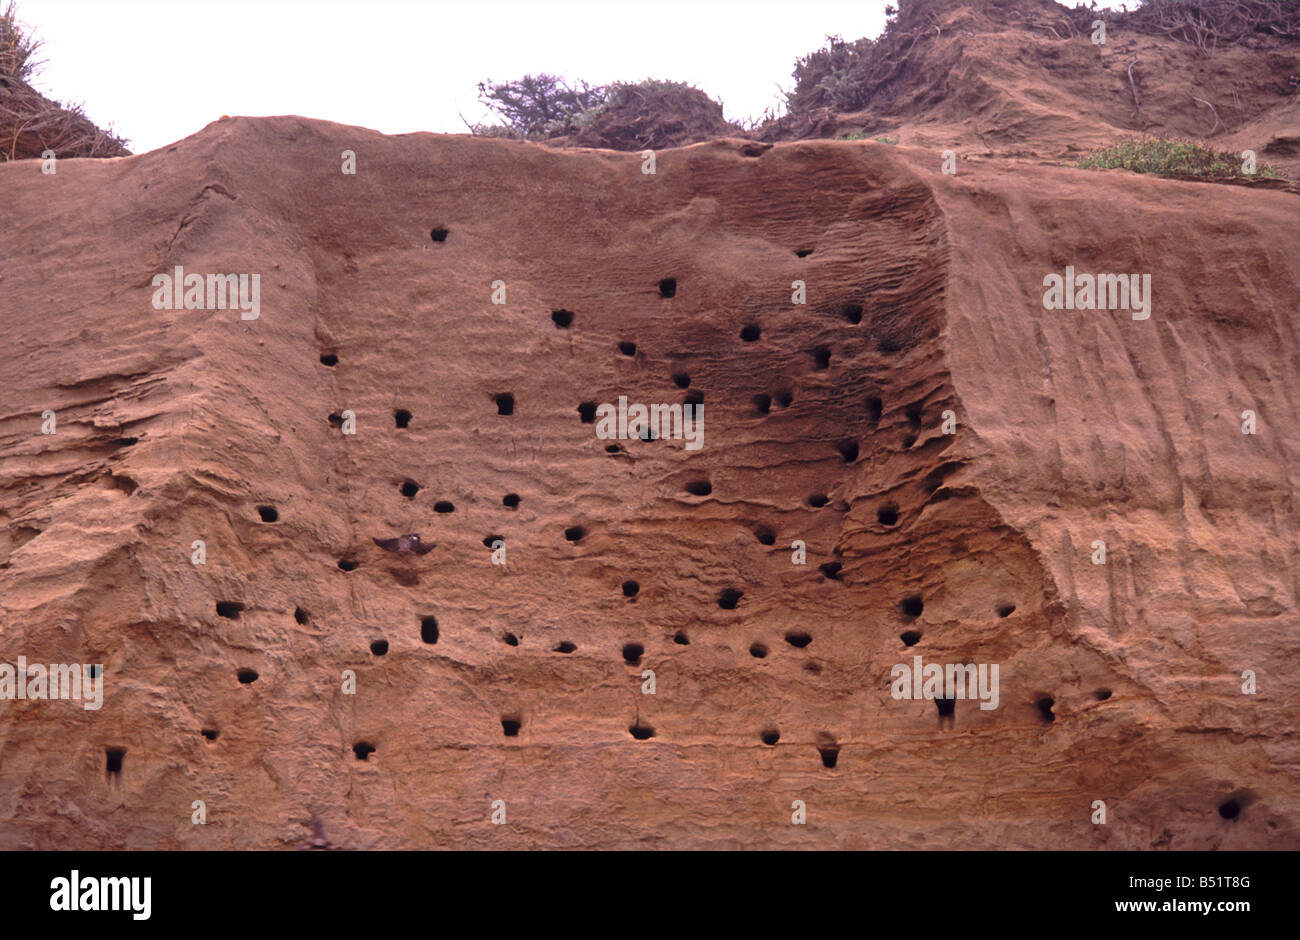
(824, 423)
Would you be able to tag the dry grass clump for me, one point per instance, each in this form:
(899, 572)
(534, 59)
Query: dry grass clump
(1207, 24)
(30, 123)
(17, 48)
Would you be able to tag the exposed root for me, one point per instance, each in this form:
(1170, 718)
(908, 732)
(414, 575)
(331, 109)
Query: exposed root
(1217, 122)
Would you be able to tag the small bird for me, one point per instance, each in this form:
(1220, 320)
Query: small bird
(404, 545)
(318, 839)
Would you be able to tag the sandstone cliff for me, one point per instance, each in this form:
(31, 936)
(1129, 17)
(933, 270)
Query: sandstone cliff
(522, 682)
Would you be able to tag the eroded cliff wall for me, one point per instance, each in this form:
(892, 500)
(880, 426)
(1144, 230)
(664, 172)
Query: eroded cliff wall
(825, 423)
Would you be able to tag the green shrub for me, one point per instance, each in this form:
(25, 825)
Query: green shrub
(835, 76)
(1165, 157)
(540, 105)
(635, 114)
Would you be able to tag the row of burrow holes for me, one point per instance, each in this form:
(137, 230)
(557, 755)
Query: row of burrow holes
(911, 608)
(1229, 809)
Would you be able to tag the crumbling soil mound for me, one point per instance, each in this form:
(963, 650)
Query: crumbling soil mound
(1026, 78)
(654, 115)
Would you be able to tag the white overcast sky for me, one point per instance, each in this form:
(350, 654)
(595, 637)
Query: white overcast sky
(159, 70)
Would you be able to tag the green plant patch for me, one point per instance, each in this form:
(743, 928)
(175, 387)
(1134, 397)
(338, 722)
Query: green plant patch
(1166, 157)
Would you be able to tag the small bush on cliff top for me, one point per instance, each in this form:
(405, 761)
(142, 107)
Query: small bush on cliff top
(1168, 158)
(834, 76)
(651, 114)
(620, 115)
(540, 105)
